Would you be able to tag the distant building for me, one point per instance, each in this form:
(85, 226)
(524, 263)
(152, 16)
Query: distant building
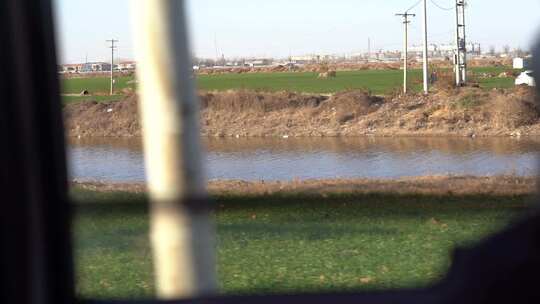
(305, 59)
(389, 56)
(257, 62)
(445, 50)
(71, 68)
(126, 66)
(521, 63)
(96, 67)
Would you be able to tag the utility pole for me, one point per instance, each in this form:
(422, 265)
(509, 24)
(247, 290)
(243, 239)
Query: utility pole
(216, 49)
(112, 47)
(425, 57)
(368, 48)
(405, 47)
(461, 45)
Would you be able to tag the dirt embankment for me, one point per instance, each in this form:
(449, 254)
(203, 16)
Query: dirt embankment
(464, 112)
(352, 66)
(103, 119)
(429, 185)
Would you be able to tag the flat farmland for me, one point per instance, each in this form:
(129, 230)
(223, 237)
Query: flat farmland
(376, 81)
(95, 84)
(379, 82)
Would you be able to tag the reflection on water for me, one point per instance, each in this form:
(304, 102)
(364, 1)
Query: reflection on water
(117, 159)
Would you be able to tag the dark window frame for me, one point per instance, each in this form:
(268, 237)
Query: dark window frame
(36, 256)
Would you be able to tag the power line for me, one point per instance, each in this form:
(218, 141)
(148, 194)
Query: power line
(442, 7)
(415, 5)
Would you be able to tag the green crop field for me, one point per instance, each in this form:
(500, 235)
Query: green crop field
(376, 81)
(95, 84)
(280, 243)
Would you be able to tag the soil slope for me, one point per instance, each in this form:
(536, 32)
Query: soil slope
(428, 185)
(464, 112)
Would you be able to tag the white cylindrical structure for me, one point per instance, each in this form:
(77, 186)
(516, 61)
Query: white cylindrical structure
(112, 65)
(457, 69)
(464, 59)
(425, 55)
(181, 232)
(405, 53)
(461, 44)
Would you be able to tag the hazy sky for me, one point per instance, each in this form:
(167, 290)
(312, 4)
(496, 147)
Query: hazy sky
(281, 27)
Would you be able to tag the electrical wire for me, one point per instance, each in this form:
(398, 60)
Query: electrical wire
(415, 5)
(442, 7)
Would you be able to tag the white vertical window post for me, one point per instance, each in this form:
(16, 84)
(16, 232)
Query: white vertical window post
(425, 57)
(181, 229)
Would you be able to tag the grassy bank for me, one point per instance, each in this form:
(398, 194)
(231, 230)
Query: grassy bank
(279, 242)
(377, 81)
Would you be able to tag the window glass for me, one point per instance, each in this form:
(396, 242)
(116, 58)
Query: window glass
(323, 174)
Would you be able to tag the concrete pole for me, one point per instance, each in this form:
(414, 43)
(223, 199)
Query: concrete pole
(457, 59)
(113, 47)
(405, 48)
(457, 63)
(461, 44)
(369, 48)
(425, 57)
(112, 65)
(181, 229)
(405, 51)
(464, 63)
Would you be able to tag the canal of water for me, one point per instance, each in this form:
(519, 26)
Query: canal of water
(121, 159)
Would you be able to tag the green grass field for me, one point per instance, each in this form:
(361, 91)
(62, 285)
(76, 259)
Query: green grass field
(376, 81)
(95, 84)
(292, 243)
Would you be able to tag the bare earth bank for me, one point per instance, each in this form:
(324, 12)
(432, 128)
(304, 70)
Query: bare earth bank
(464, 112)
(429, 185)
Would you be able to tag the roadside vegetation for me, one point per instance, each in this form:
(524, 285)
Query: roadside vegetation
(302, 242)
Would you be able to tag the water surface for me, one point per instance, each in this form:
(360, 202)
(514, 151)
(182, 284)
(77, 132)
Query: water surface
(121, 160)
